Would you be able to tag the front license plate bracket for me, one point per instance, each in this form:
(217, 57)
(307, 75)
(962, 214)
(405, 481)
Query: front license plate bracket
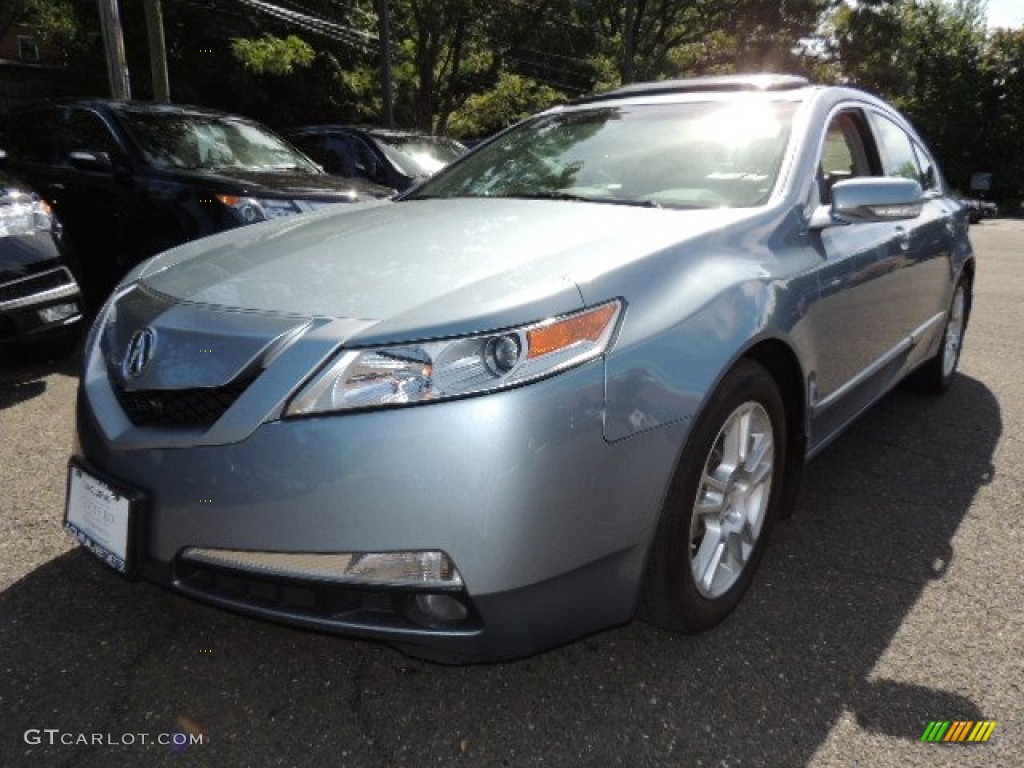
(105, 517)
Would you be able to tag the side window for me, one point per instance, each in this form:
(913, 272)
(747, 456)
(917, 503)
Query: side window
(898, 158)
(929, 176)
(844, 154)
(313, 147)
(343, 155)
(86, 131)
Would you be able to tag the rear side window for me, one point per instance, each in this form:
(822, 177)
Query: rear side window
(929, 174)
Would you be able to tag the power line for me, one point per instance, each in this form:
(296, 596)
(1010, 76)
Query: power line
(324, 27)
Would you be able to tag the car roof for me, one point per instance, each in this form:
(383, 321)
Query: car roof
(131, 106)
(724, 84)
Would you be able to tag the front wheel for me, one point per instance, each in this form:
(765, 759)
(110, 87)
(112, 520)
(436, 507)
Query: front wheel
(721, 505)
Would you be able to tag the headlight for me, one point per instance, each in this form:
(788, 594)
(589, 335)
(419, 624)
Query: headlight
(23, 214)
(253, 209)
(435, 370)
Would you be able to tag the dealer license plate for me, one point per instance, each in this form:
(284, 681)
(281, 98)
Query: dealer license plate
(100, 517)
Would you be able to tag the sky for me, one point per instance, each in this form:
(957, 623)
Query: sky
(1006, 13)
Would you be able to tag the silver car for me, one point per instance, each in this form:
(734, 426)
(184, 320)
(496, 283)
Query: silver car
(571, 379)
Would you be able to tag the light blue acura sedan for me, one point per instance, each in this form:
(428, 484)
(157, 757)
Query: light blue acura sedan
(570, 380)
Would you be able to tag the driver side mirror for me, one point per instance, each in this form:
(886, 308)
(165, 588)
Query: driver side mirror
(85, 160)
(870, 199)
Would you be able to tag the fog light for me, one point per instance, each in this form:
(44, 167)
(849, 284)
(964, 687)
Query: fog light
(412, 569)
(405, 568)
(441, 609)
(58, 312)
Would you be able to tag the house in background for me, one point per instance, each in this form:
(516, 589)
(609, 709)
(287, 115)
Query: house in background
(30, 67)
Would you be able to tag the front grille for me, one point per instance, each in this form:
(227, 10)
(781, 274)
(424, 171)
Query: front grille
(179, 407)
(30, 286)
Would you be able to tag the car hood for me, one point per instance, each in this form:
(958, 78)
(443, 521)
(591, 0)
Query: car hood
(24, 255)
(424, 268)
(283, 184)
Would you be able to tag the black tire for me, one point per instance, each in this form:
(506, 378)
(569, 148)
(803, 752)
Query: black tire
(674, 598)
(938, 373)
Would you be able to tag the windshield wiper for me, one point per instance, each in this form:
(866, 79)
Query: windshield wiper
(283, 167)
(569, 196)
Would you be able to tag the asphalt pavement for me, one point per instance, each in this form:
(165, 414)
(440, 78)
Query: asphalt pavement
(891, 599)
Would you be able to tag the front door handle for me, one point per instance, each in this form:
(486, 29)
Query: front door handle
(903, 238)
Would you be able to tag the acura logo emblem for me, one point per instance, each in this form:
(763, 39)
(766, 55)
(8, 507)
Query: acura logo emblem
(140, 352)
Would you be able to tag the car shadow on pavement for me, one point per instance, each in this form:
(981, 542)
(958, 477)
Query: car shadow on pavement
(23, 377)
(86, 652)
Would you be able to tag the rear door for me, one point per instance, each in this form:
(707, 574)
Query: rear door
(924, 248)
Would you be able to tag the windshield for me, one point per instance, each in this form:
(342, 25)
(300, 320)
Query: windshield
(690, 155)
(188, 142)
(419, 155)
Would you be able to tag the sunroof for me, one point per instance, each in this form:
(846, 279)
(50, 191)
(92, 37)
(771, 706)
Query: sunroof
(760, 82)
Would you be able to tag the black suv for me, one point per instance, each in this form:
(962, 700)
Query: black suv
(40, 305)
(130, 179)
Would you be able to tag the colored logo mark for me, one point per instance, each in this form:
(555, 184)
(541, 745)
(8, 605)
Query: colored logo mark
(958, 730)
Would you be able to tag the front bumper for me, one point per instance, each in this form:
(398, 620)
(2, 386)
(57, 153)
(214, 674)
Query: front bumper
(547, 523)
(25, 302)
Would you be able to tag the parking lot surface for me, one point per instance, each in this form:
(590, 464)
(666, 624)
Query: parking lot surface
(891, 599)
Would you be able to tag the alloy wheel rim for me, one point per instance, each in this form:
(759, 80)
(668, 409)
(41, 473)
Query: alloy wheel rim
(732, 499)
(954, 333)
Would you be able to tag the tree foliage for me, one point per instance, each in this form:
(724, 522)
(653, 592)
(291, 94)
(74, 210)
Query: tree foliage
(512, 99)
(935, 60)
(272, 55)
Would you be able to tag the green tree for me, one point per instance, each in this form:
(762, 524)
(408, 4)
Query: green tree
(513, 98)
(1002, 117)
(925, 56)
(273, 55)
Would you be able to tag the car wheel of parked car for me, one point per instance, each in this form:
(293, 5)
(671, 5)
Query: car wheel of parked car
(721, 505)
(937, 374)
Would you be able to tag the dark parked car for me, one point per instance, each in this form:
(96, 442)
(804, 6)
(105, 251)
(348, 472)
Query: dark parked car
(40, 304)
(572, 377)
(396, 159)
(980, 209)
(131, 179)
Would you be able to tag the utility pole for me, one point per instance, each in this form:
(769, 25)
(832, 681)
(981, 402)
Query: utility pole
(113, 44)
(384, 34)
(629, 42)
(157, 51)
